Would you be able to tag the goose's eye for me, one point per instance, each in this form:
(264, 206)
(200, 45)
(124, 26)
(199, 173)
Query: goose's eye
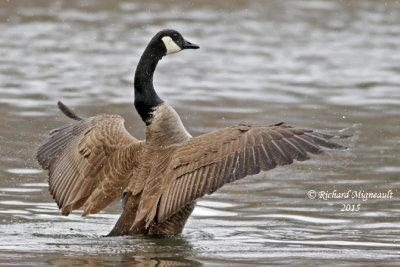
(175, 35)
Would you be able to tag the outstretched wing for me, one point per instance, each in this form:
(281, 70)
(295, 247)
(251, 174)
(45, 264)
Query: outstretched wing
(203, 164)
(89, 162)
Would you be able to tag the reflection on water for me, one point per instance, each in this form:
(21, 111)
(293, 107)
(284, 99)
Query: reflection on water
(318, 64)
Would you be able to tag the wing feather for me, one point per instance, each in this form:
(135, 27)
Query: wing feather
(203, 164)
(86, 162)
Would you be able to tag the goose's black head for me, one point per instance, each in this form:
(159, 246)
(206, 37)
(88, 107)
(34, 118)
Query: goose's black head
(170, 41)
(163, 43)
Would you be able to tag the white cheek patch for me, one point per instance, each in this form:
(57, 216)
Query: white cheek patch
(170, 45)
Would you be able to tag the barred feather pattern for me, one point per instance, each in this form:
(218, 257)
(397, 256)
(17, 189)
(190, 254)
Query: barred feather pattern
(88, 161)
(94, 160)
(204, 164)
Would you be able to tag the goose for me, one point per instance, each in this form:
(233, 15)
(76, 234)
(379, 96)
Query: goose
(93, 161)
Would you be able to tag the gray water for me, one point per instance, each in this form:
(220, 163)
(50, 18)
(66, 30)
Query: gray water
(328, 65)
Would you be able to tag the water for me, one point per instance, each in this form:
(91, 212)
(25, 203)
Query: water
(320, 64)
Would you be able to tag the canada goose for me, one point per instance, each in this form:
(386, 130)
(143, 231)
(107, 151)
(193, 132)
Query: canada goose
(94, 160)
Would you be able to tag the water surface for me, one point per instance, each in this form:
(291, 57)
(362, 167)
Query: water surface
(321, 64)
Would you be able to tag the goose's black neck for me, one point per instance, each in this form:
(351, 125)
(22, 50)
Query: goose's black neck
(146, 97)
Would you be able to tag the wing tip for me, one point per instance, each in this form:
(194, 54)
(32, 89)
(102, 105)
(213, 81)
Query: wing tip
(65, 211)
(41, 159)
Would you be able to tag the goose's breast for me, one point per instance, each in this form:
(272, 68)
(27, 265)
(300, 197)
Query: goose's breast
(166, 127)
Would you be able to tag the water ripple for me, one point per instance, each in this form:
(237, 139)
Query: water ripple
(317, 64)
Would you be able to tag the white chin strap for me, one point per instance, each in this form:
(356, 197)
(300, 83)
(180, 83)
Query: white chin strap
(170, 45)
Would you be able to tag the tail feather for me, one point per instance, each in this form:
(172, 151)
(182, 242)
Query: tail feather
(69, 113)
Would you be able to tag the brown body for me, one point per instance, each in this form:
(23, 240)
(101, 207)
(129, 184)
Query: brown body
(95, 160)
